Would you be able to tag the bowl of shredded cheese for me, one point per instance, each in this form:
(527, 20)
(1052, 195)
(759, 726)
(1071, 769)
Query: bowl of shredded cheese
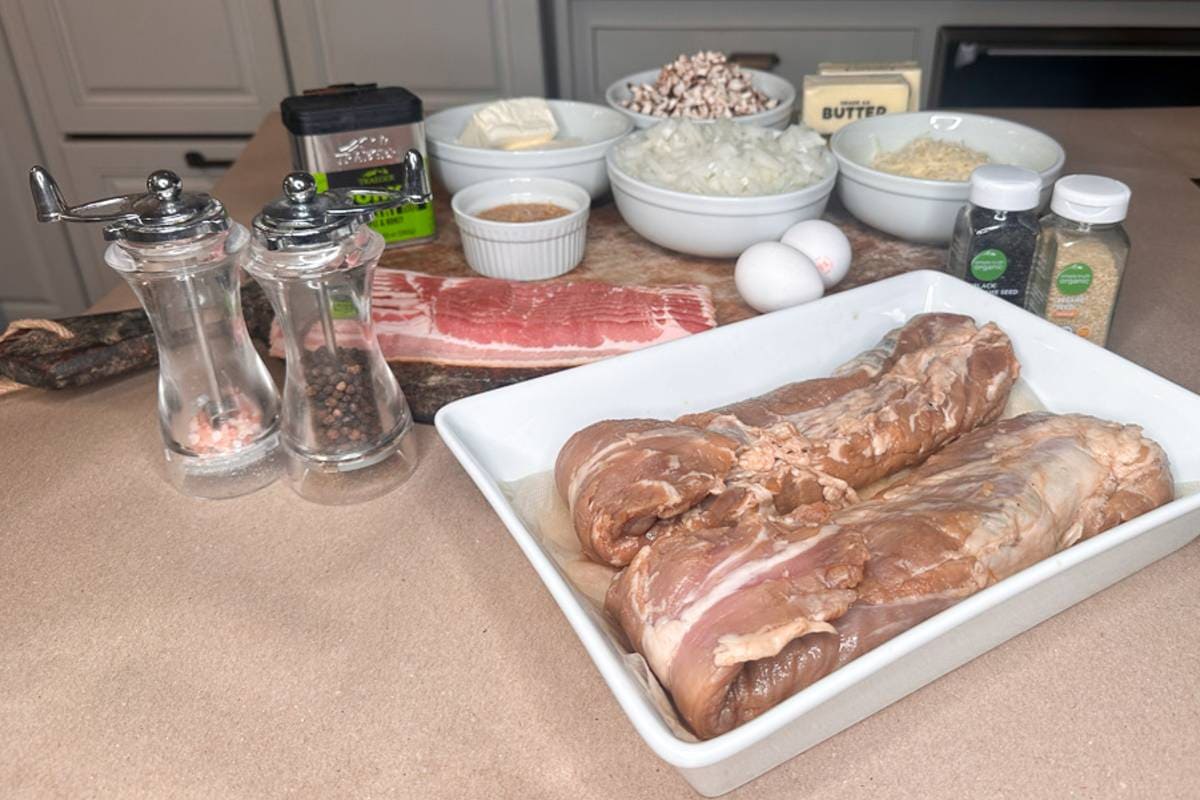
(908, 174)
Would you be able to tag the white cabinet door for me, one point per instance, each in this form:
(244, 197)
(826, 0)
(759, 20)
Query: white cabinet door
(446, 51)
(168, 66)
(107, 168)
(37, 268)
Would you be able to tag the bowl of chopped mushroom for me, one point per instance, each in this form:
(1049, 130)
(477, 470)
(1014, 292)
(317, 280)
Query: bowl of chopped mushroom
(909, 174)
(704, 87)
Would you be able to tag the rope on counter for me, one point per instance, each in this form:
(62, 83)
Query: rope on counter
(18, 325)
(7, 385)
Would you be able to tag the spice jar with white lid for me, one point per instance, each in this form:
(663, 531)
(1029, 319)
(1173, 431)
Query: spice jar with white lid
(346, 424)
(996, 233)
(1081, 256)
(218, 409)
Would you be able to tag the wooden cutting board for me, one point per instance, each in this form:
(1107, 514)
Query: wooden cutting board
(615, 254)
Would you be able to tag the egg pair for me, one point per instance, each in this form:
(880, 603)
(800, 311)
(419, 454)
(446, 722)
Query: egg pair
(811, 257)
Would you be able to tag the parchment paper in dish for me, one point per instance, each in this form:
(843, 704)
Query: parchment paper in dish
(537, 503)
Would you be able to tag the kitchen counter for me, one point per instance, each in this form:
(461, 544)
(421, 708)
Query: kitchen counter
(156, 645)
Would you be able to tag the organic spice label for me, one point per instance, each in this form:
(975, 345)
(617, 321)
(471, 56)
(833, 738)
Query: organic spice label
(988, 265)
(394, 224)
(1074, 279)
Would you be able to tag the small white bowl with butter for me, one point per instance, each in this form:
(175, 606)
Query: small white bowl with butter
(585, 132)
(921, 209)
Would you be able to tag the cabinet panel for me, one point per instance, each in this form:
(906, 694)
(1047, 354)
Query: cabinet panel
(38, 277)
(446, 51)
(107, 168)
(172, 66)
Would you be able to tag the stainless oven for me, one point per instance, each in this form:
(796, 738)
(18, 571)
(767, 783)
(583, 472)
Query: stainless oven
(982, 67)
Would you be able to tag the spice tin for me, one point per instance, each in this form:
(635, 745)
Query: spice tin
(355, 136)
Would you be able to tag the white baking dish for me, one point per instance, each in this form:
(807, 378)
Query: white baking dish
(516, 431)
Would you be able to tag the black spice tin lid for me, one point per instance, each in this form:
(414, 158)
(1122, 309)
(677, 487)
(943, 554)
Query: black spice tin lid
(349, 107)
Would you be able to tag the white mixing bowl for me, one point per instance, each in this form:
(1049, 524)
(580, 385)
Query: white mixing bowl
(712, 226)
(457, 166)
(921, 210)
(768, 83)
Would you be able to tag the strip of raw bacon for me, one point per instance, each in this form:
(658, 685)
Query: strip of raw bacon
(735, 621)
(800, 451)
(486, 322)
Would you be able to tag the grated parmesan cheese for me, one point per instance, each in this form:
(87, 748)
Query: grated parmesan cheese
(931, 159)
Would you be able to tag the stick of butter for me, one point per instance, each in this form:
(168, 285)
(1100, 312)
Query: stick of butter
(909, 70)
(516, 124)
(831, 101)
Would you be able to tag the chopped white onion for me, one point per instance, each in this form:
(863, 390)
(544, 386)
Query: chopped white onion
(725, 159)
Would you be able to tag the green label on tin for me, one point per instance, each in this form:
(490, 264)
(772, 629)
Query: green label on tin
(1074, 278)
(988, 265)
(394, 224)
(342, 308)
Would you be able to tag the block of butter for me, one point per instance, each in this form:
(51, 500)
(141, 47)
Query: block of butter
(516, 124)
(831, 101)
(909, 70)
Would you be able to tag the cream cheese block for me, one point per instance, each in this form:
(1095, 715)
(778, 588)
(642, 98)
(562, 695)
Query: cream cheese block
(516, 124)
(831, 101)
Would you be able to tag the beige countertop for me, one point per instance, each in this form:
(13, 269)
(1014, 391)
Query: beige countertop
(155, 645)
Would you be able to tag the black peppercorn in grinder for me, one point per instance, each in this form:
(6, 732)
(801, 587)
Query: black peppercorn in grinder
(345, 420)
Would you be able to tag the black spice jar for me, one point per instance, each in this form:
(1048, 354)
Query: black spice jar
(996, 233)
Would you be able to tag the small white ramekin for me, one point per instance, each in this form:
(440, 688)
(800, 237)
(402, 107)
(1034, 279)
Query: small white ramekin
(522, 251)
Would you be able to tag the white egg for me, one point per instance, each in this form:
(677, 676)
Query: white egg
(825, 244)
(770, 276)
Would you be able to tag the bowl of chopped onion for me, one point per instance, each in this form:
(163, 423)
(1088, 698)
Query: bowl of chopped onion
(908, 174)
(714, 190)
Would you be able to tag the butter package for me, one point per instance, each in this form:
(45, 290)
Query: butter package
(831, 101)
(909, 70)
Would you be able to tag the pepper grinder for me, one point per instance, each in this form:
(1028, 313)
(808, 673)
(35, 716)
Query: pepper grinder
(345, 420)
(218, 408)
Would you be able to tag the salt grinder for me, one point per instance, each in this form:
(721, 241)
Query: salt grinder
(217, 405)
(345, 419)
